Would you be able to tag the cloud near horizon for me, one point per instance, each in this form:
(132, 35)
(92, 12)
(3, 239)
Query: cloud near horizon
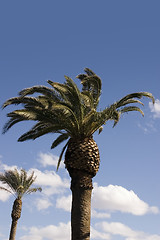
(105, 199)
(60, 232)
(101, 230)
(120, 229)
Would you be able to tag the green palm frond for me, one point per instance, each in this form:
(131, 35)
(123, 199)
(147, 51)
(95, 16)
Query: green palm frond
(59, 88)
(61, 155)
(59, 140)
(18, 116)
(23, 100)
(11, 122)
(92, 84)
(41, 129)
(128, 101)
(32, 190)
(26, 114)
(135, 95)
(46, 91)
(131, 108)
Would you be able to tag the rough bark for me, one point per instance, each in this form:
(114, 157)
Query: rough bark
(13, 230)
(16, 214)
(81, 186)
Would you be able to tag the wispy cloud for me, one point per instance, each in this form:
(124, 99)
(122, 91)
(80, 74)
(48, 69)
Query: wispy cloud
(43, 203)
(48, 159)
(155, 109)
(98, 214)
(64, 203)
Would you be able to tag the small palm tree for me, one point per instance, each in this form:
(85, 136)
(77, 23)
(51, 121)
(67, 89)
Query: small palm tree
(18, 184)
(72, 113)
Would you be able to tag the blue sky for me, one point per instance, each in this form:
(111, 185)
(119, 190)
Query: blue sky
(120, 42)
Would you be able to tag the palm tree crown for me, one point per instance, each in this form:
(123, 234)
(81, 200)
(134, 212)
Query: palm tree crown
(18, 183)
(66, 110)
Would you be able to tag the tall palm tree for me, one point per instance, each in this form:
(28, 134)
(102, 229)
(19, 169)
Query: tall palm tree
(72, 113)
(18, 184)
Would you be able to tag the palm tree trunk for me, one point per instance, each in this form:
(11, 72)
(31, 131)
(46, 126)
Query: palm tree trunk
(16, 214)
(81, 186)
(13, 230)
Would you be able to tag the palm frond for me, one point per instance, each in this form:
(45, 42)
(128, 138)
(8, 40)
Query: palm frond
(61, 155)
(129, 101)
(59, 140)
(26, 114)
(91, 83)
(135, 95)
(60, 88)
(37, 89)
(23, 100)
(131, 108)
(18, 116)
(100, 130)
(40, 129)
(75, 98)
(32, 190)
(11, 122)
(6, 190)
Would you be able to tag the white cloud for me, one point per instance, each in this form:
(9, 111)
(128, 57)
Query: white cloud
(4, 167)
(101, 230)
(60, 232)
(50, 182)
(155, 108)
(64, 203)
(117, 228)
(4, 196)
(43, 203)
(99, 235)
(48, 159)
(103, 214)
(117, 198)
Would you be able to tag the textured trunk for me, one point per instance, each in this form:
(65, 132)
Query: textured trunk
(82, 162)
(13, 230)
(81, 186)
(16, 214)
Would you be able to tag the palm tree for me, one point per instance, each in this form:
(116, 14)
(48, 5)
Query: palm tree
(18, 184)
(72, 114)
